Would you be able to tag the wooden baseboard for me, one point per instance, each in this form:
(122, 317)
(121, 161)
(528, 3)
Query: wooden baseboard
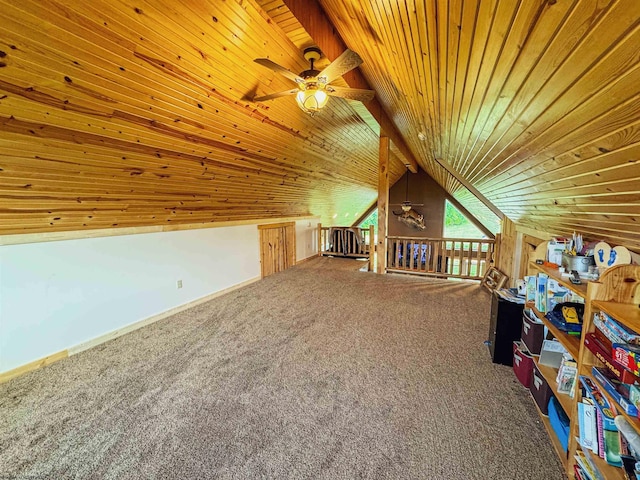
(16, 372)
(8, 375)
(312, 257)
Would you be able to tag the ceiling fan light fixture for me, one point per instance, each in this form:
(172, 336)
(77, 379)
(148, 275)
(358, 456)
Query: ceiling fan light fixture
(312, 99)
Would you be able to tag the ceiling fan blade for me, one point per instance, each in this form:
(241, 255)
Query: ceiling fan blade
(265, 62)
(276, 95)
(351, 93)
(341, 65)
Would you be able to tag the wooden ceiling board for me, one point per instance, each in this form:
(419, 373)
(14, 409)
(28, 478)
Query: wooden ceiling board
(139, 113)
(534, 103)
(136, 113)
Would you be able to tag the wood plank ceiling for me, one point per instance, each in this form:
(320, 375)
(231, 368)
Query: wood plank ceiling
(130, 113)
(535, 103)
(119, 114)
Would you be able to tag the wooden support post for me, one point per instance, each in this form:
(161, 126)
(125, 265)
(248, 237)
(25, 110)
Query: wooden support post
(383, 204)
(372, 249)
(320, 239)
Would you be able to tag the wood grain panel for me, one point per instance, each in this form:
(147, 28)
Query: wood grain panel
(138, 113)
(534, 103)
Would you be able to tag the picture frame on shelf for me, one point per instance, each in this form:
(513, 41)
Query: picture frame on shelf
(494, 279)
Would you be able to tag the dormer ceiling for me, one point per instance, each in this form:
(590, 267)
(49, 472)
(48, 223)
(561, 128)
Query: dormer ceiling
(116, 114)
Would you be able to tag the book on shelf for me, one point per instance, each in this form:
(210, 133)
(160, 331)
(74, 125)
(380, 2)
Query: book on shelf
(628, 356)
(618, 330)
(566, 378)
(608, 438)
(541, 292)
(619, 391)
(588, 466)
(602, 352)
(531, 288)
(587, 424)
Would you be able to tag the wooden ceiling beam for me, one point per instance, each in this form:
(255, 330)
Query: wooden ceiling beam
(312, 17)
(474, 191)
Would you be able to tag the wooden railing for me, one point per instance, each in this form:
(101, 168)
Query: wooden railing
(441, 257)
(346, 242)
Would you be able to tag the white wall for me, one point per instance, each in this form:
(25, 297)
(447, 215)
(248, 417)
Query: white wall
(56, 295)
(306, 238)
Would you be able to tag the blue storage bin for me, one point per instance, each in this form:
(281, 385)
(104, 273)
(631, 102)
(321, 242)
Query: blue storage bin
(559, 422)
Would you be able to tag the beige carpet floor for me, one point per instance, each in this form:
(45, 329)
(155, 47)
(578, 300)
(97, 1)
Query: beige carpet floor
(321, 371)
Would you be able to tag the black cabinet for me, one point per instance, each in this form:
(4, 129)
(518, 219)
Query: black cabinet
(504, 328)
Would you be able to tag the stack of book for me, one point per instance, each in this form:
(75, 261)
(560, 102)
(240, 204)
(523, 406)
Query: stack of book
(598, 432)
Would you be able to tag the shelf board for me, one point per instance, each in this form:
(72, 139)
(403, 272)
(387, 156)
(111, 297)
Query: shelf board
(570, 342)
(627, 313)
(564, 281)
(552, 436)
(550, 374)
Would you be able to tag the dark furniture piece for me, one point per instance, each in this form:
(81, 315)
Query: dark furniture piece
(504, 328)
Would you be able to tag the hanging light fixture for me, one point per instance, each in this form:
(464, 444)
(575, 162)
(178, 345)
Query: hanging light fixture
(312, 98)
(314, 86)
(312, 95)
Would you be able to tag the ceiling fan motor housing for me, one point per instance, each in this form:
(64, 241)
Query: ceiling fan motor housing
(312, 53)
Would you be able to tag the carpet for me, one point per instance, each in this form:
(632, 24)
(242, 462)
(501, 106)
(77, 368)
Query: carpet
(320, 371)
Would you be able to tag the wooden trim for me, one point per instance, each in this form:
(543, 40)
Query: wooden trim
(470, 217)
(23, 238)
(81, 347)
(383, 204)
(366, 213)
(305, 260)
(36, 364)
(372, 248)
(276, 225)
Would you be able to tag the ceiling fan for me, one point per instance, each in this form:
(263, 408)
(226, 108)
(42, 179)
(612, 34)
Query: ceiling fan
(408, 215)
(314, 86)
(407, 205)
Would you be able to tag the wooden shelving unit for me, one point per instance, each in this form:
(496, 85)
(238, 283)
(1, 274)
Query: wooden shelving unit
(617, 293)
(564, 281)
(570, 342)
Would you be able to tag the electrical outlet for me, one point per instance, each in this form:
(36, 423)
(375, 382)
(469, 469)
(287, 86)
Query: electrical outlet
(179, 283)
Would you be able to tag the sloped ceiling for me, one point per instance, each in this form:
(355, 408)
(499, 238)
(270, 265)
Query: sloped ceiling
(119, 114)
(128, 113)
(535, 103)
